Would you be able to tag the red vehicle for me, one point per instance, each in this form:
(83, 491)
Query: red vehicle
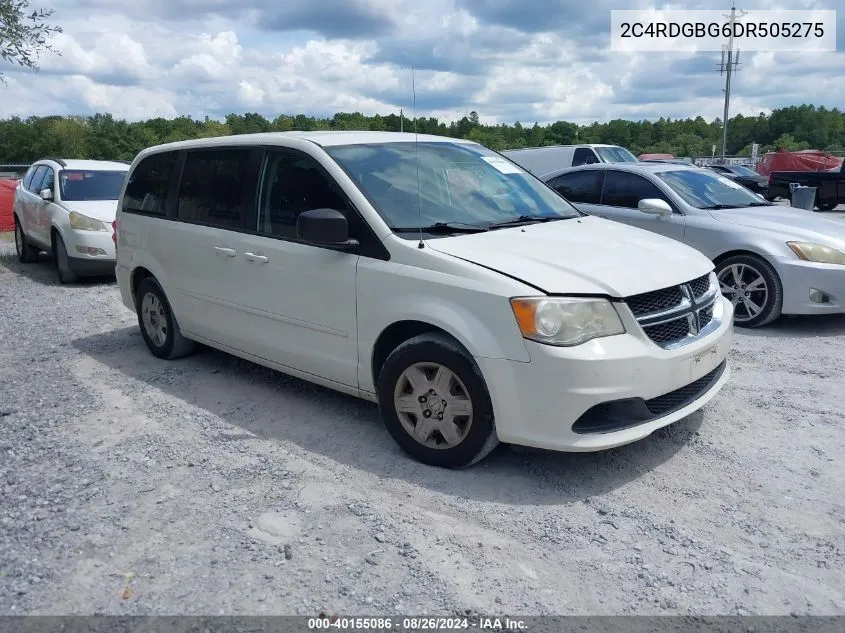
(804, 160)
(654, 156)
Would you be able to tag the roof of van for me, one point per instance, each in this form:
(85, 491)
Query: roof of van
(324, 138)
(92, 165)
(554, 147)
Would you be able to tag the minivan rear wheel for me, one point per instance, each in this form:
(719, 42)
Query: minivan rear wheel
(158, 324)
(435, 403)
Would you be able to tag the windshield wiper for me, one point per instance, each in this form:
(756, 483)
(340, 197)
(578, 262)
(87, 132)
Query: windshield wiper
(442, 228)
(760, 204)
(716, 207)
(525, 219)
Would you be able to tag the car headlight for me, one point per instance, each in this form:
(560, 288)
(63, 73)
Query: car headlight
(818, 253)
(81, 222)
(565, 321)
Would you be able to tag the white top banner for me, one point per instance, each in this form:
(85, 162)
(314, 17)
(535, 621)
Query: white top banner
(699, 31)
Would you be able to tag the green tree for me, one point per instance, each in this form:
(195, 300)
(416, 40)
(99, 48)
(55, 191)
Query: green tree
(24, 34)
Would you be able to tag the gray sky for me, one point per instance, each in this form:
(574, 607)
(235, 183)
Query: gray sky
(525, 60)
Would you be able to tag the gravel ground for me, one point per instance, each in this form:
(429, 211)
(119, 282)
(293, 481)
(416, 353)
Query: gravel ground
(130, 485)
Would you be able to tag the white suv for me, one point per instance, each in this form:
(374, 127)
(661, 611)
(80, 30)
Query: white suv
(67, 208)
(434, 277)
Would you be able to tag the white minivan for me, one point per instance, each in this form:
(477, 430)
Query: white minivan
(542, 161)
(427, 274)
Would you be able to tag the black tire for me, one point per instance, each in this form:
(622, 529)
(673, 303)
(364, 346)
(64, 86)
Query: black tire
(774, 298)
(27, 254)
(825, 206)
(174, 345)
(480, 437)
(62, 261)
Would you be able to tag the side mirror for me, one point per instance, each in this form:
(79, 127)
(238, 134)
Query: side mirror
(46, 194)
(654, 206)
(324, 227)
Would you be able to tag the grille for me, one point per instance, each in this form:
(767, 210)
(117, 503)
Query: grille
(670, 315)
(668, 332)
(655, 301)
(674, 400)
(700, 286)
(705, 316)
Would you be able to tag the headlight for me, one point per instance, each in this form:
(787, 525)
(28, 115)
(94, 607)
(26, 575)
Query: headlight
(565, 321)
(818, 253)
(81, 222)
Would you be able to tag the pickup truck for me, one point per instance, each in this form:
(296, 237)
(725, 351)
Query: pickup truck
(830, 185)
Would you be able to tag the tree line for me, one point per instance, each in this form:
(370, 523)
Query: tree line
(104, 137)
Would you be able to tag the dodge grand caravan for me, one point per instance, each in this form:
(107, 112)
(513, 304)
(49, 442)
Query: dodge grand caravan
(430, 275)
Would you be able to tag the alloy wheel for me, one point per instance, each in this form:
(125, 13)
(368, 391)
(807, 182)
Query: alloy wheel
(747, 290)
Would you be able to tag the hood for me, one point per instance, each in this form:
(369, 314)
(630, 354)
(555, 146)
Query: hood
(103, 210)
(790, 222)
(587, 255)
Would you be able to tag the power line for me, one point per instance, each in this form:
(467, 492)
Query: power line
(730, 63)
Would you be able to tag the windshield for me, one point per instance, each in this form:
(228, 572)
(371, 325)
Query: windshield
(616, 155)
(459, 184)
(707, 190)
(742, 170)
(79, 184)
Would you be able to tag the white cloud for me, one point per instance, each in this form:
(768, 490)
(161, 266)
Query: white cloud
(213, 58)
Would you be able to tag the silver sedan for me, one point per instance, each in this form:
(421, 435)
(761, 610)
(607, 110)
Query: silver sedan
(770, 259)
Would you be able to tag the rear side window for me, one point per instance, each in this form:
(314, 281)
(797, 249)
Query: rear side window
(36, 178)
(212, 188)
(584, 156)
(622, 189)
(27, 179)
(579, 186)
(146, 190)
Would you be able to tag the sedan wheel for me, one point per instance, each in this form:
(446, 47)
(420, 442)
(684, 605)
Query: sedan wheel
(754, 289)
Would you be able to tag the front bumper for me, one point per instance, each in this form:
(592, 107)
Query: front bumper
(537, 403)
(799, 278)
(91, 253)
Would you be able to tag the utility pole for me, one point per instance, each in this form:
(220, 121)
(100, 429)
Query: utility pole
(401, 121)
(729, 64)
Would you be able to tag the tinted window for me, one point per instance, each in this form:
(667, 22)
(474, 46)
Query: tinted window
(290, 185)
(212, 187)
(584, 156)
(47, 182)
(579, 186)
(77, 184)
(27, 179)
(36, 179)
(623, 189)
(148, 184)
(410, 184)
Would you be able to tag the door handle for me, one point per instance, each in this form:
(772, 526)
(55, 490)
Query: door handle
(228, 252)
(252, 257)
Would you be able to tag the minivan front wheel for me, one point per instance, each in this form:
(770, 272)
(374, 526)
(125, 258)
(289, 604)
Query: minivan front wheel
(158, 324)
(435, 403)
